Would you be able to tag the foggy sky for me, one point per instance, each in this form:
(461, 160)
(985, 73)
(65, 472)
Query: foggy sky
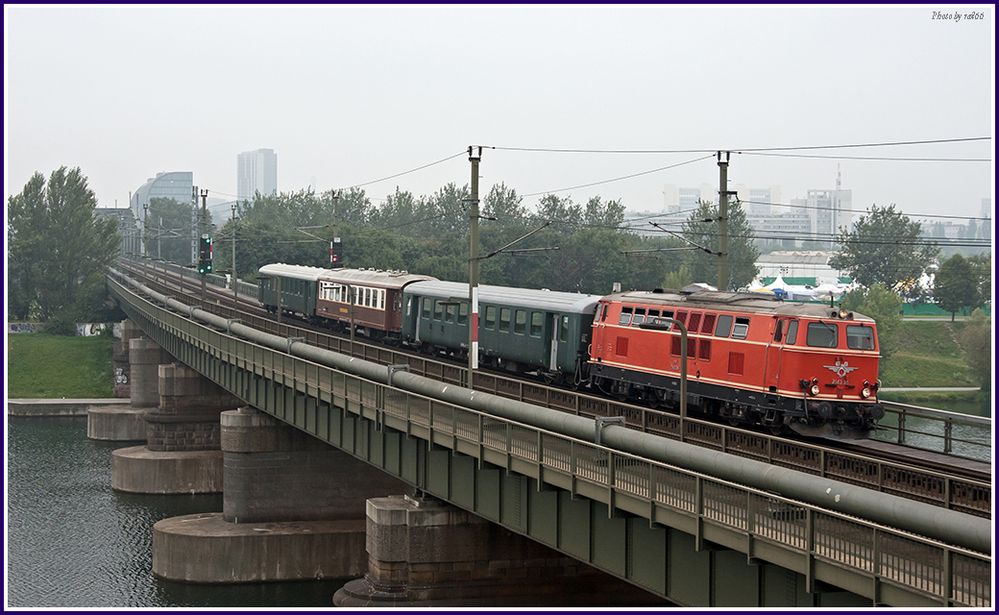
(348, 94)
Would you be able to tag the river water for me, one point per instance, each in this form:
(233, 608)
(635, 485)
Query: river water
(75, 542)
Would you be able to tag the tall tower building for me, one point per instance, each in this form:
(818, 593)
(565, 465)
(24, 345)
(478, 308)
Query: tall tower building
(256, 171)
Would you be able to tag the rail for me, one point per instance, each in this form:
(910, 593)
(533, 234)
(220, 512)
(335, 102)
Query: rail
(817, 542)
(939, 488)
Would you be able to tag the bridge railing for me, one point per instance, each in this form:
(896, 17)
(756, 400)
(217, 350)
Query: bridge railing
(819, 543)
(953, 433)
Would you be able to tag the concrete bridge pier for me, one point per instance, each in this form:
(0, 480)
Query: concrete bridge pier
(136, 362)
(183, 453)
(293, 509)
(425, 552)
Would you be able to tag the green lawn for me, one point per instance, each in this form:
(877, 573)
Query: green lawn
(52, 366)
(930, 357)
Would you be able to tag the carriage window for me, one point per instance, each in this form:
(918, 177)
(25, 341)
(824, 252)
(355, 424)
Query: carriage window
(490, 316)
(505, 319)
(639, 317)
(778, 330)
(695, 322)
(859, 337)
(426, 307)
(381, 299)
(537, 320)
(822, 335)
(462, 313)
(438, 310)
(563, 332)
(451, 310)
(625, 316)
(724, 326)
(653, 314)
(705, 354)
(741, 329)
(792, 332)
(709, 324)
(520, 322)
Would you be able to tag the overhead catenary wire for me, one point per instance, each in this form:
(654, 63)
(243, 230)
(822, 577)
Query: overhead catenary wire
(623, 177)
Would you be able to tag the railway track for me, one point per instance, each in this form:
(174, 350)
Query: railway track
(943, 480)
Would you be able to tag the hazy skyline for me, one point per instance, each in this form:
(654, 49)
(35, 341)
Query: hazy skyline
(347, 94)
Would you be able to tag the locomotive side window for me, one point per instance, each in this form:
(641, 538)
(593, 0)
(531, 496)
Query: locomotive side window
(792, 332)
(490, 316)
(603, 315)
(625, 316)
(709, 323)
(639, 317)
(462, 313)
(537, 320)
(859, 337)
(504, 319)
(520, 322)
(682, 317)
(724, 326)
(695, 322)
(741, 329)
(675, 346)
(778, 330)
(822, 335)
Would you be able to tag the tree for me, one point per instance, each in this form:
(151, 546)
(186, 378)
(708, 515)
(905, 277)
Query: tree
(976, 340)
(884, 247)
(981, 270)
(884, 306)
(701, 228)
(58, 251)
(955, 286)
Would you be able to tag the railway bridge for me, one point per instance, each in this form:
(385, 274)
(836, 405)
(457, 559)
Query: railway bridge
(694, 526)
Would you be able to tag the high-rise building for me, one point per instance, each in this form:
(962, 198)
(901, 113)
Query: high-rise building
(256, 171)
(985, 226)
(176, 185)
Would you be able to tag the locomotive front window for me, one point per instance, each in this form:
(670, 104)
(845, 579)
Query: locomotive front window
(625, 316)
(822, 335)
(859, 337)
(639, 317)
(741, 329)
(490, 316)
(724, 326)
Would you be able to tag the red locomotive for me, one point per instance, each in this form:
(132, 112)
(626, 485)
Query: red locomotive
(750, 359)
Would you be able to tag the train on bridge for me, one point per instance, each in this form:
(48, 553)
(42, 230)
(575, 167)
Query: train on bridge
(750, 359)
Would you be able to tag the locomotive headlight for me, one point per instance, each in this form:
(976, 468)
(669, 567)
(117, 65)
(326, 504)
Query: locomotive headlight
(865, 392)
(814, 389)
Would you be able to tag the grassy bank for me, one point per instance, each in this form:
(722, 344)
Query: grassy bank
(930, 356)
(49, 366)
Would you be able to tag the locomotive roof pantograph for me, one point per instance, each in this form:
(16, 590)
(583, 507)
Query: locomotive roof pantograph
(549, 300)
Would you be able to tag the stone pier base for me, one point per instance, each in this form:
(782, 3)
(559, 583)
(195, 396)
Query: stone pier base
(137, 469)
(116, 423)
(428, 553)
(204, 548)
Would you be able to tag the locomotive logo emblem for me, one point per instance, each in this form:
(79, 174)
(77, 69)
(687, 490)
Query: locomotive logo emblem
(841, 368)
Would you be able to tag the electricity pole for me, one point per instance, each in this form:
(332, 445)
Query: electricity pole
(145, 221)
(203, 227)
(473, 267)
(159, 236)
(235, 285)
(195, 236)
(723, 221)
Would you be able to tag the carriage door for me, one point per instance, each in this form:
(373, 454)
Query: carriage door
(771, 374)
(553, 356)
